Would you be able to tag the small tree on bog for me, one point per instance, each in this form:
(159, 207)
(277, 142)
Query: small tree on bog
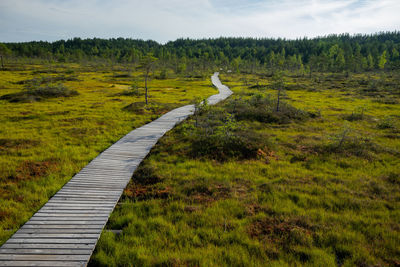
(147, 64)
(278, 83)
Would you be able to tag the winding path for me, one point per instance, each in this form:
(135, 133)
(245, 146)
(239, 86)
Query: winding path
(64, 232)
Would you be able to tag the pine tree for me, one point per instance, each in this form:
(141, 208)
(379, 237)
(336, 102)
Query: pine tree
(382, 60)
(395, 54)
(370, 62)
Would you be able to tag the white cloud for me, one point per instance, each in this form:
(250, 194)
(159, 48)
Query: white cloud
(161, 20)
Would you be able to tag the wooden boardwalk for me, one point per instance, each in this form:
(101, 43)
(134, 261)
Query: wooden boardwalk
(64, 232)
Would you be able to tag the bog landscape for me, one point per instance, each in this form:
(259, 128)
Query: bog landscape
(300, 166)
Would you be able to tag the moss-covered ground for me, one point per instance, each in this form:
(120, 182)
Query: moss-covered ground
(315, 184)
(46, 136)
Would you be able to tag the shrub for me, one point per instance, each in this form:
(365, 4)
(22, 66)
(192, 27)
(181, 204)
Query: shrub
(134, 90)
(163, 74)
(47, 79)
(356, 115)
(51, 91)
(387, 100)
(262, 108)
(386, 123)
(348, 144)
(40, 93)
(146, 174)
(393, 178)
(217, 135)
(130, 92)
(220, 147)
(155, 107)
(122, 75)
(257, 86)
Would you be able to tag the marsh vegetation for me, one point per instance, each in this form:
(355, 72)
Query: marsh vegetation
(55, 118)
(300, 167)
(241, 184)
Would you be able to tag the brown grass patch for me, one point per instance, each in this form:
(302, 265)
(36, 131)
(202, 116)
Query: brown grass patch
(54, 113)
(16, 144)
(4, 214)
(144, 192)
(285, 232)
(206, 192)
(145, 184)
(35, 169)
(78, 132)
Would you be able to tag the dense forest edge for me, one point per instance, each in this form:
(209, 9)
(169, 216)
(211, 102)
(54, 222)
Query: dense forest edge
(333, 53)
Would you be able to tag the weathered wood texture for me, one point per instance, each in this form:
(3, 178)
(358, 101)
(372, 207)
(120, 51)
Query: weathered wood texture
(65, 230)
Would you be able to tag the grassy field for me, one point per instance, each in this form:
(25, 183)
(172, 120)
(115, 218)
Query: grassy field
(56, 118)
(315, 184)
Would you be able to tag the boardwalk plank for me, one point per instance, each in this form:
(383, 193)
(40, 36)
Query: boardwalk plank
(60, 231)
(48, 251)
(42, 257)
(57, 235)
(68, 217)
(44, 263)
(52, 207)
(47, 246)
(52, 241)
(66, 227)
(62, 221)
(59, 201)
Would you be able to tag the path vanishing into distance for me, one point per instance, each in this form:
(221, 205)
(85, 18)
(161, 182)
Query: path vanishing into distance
(64, 232)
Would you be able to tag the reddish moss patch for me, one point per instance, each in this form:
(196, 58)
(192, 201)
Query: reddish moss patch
(35, 169)
(143, 192)
(285, 232)
(16, 144)
(191, 209)
(206, 192)
(266, 155)
(79, 132)
(145, 184)
(4, 214)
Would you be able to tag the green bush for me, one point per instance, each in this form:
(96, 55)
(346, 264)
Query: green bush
(40, 93)
(217, 135)
(386, 123)
(387, 100)
(163, 74)
(236, 145)
(146, 175)
(47, 79)
(122, 75)
(349, 144)
(262, 108)
(356, 115)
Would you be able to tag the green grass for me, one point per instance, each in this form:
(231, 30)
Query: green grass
(44, 142)
(323, 190)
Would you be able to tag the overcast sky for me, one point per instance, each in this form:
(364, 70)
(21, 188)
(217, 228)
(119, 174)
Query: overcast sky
(164, 20)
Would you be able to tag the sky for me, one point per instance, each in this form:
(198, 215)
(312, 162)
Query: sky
(167, 20)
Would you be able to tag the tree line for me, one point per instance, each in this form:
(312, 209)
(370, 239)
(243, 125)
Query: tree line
(333, 53)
